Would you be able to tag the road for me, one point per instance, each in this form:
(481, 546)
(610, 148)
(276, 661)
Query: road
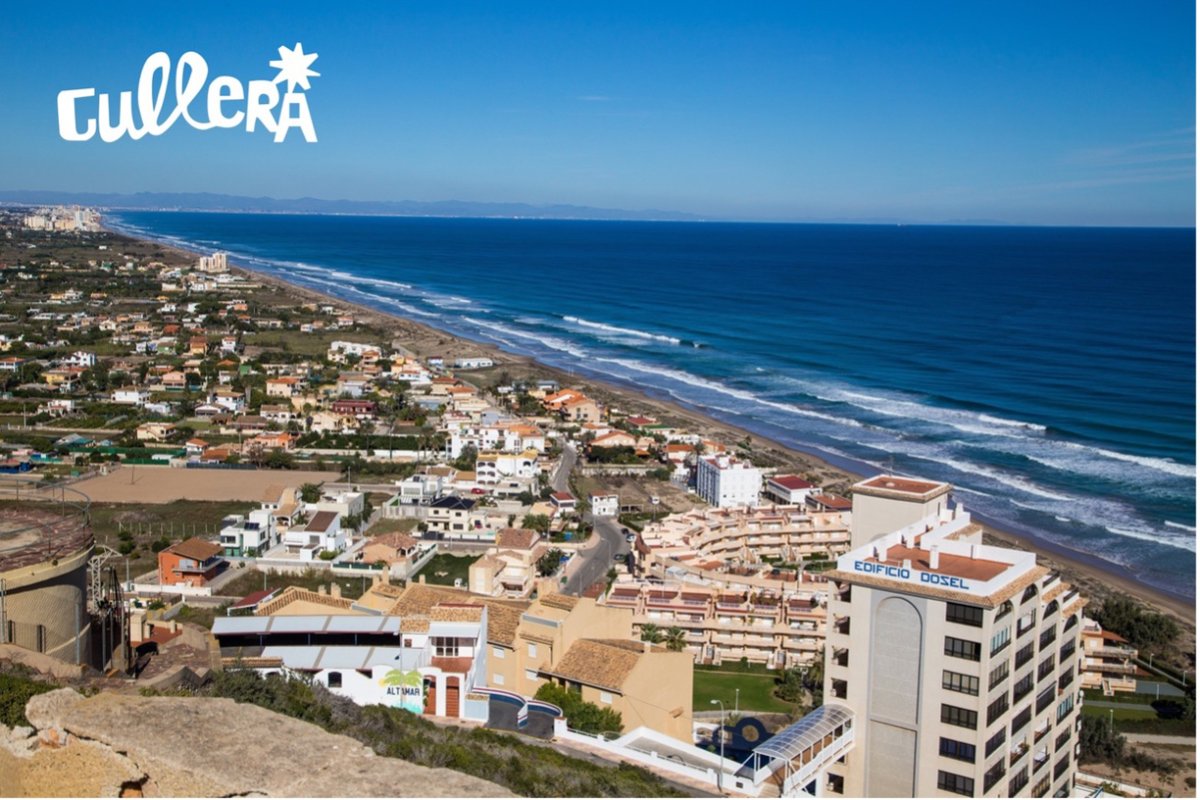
(606, 542)
(559, 481)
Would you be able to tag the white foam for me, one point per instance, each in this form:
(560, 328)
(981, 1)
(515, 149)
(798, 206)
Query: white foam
(600, 326)
(1179, 525)
(1188, 544)
(552, 342)
(1160, 464)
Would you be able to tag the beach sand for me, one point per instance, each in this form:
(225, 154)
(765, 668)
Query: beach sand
(1095, 579)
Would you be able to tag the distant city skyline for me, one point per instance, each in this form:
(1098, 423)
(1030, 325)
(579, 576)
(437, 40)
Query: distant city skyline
(774, 112)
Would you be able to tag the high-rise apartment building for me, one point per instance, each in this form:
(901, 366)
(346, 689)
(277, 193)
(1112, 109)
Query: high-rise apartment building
(956, 664)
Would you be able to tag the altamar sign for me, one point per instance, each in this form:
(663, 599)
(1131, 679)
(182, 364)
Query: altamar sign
(227, 103)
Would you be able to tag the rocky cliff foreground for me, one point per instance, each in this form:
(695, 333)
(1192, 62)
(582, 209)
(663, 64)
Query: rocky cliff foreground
(113, 745)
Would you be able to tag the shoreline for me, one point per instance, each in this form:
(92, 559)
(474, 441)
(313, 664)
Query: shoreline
(1095, 577)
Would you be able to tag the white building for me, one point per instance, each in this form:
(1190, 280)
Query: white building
(217, 262)
(727, 483)
(249, 535)
(789, 490)
(428, 664)
(473, 363)
(951, 667)
(604, 505)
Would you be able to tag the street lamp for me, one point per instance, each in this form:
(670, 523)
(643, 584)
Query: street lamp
(721, 730)
(736, 691)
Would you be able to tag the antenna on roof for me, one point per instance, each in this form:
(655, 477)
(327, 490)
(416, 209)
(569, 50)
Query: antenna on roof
(891, 463)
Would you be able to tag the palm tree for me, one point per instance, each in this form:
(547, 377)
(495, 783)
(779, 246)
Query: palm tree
(651, 633)
(675, 639)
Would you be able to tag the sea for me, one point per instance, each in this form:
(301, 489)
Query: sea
(1048, 373)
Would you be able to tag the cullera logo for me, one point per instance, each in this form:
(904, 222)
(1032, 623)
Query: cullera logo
(260, 99)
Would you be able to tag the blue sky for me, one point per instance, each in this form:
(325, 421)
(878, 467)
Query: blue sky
(1040, 113)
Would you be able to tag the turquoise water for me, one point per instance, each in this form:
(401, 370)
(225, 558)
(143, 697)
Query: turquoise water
(1049, 373)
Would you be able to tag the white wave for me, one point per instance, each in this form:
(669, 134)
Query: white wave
(1160, 464)
(1179, 525)
(740, 394)
(1029, 426)
(1062, 519)
(600, 326)
(552, 342)
(1179, 543)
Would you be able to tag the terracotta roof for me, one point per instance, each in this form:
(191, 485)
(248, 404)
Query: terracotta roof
(792, 482)
(503, 617)
(604, 663)
(294, 593)
(556, 600)
(195, 548)
(517, 538)
(451, 612)
(321, 521)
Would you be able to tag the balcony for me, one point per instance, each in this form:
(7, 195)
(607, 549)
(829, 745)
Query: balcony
(841, 656)
(842, 626)
(1041, 730)
(839, 688)
(1017, 753)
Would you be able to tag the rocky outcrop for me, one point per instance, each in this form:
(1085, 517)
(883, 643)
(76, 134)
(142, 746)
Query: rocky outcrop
(116, 744)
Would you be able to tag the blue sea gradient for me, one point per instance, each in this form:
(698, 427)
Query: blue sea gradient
(1048, 373)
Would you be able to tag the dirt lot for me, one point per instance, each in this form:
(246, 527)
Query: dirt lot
(639, 491)
(165, 485)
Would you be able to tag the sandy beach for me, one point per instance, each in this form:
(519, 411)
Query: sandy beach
(1095, 578)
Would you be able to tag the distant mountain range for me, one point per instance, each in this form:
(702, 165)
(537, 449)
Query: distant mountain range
(206, 201)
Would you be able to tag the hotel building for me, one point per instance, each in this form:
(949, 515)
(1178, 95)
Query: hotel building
(953, 667)
(727, 483)
(724, 577)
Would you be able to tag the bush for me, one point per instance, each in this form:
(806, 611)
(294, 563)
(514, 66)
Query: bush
(581, 715)
(16, 687)
(328, 555)
(525, 769)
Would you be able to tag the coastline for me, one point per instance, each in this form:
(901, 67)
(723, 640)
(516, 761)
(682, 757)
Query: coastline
(1095, 577)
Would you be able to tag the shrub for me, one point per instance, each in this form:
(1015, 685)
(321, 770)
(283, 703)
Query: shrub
(581, 715)
(16, 687)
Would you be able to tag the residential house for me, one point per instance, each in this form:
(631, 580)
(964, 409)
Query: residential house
(452, 515)
(509, 569)
(192, 562)
(287, 386)
(1109, 660)
(789, 489)
(248, 535)
(155, 431)
(604, 505)
(130, 396)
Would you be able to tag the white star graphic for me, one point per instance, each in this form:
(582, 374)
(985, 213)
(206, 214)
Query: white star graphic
(293, 66)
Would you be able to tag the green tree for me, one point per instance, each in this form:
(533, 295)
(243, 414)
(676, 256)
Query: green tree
(310, 492)
(548, 563)
(675, 639)
(581, 715)
(466, 459)
(536, 522)
(651, 633)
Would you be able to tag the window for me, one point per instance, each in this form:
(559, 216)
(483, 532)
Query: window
(1045, 699)
(1024, 656)
(445, 646)
(993, 775)
(497, 679)
(1022, 719)
(41, 638)
(1046, 667)
(1018, 782)
(1022, 687)
(606, 697)
(1001, 639)
(998, 675)
(962, 717)
(1066, 707)
(533, 651)
(1030, 592)
(334, 680)
(964, 615)
(957, 682)
(998, 738)
(959, 784)
(498, 652)
(951, 748)
(997, 707)
(531, 674)
(961, 648)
